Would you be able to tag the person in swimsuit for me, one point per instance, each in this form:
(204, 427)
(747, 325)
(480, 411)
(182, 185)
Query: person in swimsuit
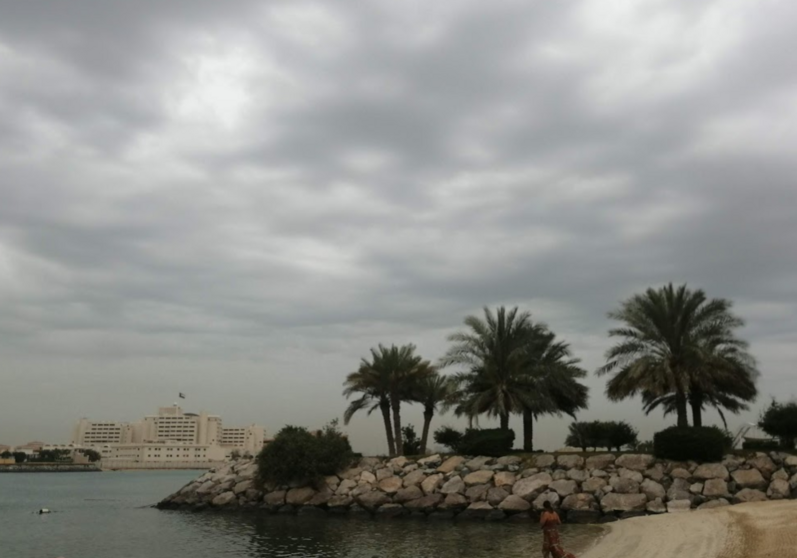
(549, 521)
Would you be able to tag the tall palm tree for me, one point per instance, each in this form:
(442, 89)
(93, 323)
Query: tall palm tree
(375, 389)
(493, 350)
(433, 391)
(677, 348)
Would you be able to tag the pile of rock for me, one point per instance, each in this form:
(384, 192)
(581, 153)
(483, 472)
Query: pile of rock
(602, 487)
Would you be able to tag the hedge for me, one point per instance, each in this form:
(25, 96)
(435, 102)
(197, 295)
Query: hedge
(707, 443)
(492, 442)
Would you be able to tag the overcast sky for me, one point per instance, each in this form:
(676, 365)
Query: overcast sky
(238, 199)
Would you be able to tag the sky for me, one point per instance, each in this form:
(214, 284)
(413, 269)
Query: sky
(237, 200)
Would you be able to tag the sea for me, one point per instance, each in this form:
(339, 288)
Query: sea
(110, 515)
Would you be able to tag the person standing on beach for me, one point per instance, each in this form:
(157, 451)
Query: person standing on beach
(549, 521)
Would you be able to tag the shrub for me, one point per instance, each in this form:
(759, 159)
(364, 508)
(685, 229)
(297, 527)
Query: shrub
(598, 434)
(705, 443)
(492, 441)
(780, 420)
(412, 445)
(760, 445)
(296, 454)
(449, 437)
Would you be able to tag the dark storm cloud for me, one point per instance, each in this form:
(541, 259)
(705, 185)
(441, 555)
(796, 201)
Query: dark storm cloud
(245, 197)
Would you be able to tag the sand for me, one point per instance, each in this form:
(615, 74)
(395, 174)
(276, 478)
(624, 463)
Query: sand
(755, 530)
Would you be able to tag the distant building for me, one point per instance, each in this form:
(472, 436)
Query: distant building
(171, 438)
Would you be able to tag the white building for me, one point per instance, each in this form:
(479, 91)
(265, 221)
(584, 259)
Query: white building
(171, 438)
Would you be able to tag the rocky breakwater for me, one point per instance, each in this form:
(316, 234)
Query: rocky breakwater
(598, 488)
(50, 468)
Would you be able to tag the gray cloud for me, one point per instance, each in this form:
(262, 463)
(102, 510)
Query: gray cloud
(238, 201)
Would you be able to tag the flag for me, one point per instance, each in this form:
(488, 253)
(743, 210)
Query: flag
(182, 395)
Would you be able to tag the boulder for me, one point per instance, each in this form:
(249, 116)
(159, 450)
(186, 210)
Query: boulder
(551, 497)
(713, 488)
(276, 498)
(563, 487)
(559, 474)
(514, 503)
(368, 477)
(477, 510)
(454, 485)
(579, 475)
(528, 486)
(570, 461)
(579, 501)
(431, 483)
(450, 464)
(635, 476)
(696, 488)
(677, 506)
(708, 471)
(749, 495)
(623, 502)
(749, 478)
(793, 481)
(509, 460)
(624, 486)
(504, 478)
(477, 463)
(655, 473)
(528, 472)
(332, 481)
(299, 496)
(656, 506)
(454, 501)
(383, 473)
(764, 464)
(600, 473)
(399, 461)
(345, 486)
(372, 500)
(407, 494)
(652, 489)
(544, 460)
(477, 492)
(370, 462)
(680, 473)
(780, 474)
(321, 497)
(253, 495)
(593, 484)
(478, 477)
(637, 462)
(778, 489)
(600, 461)
(414, 478)
(431, 461)
(425, 504)
(387, 511)
(351, 473)
(242, 486)
(496, 495)
(224, 499)
(206, 487)
(711, 504)
(791, 461)
(364, 488)
(390, 485)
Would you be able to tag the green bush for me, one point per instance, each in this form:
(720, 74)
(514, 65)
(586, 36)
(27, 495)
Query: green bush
(492, 441)
(705, 443)
(780, 420)
(760, 445)
(296, 454)
(599, 434)
(449, 437)
(412, 444)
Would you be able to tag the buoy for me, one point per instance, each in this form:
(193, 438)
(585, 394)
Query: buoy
(43, 510)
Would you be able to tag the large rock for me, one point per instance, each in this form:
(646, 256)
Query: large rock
(477, 510)
(332, 481)
(299, 496)
(414, 478)
(778, 489)
(624, 486)
(676, 506)
(570, 461)
(496, 495)
(407, 494)
(696, 488)
(364, 488)
(386, 511)
(425, 503)
(780, 474)
(338, 502)
(504, 478)
(276, 498)
(711, 471)
(578, 475)
(454, 485)
(544, 460)
(652, 489)
(749, 478)
(367, 476)
(714, 488)
(680, 473)
(656, 506)
(206, 487)
(345, 486)
(477, 492)
(224, 499)
(372, 500)
(793, 481)
(791, 461)
(623, 502)
(593, 484)
(635, 476)
(431, 461)
(764, 464)
(352, 474)
(559, 474)
(580, 501)
(454, 501)
(525, 488)
(383, 473)
(450, 464)
(563, 487)
(600, 461)
(749, 495)
(398, 462)
(509, 460)
(551, 497)
(514, 503)
(431, 483)
(242, 486)
(390, 485)
(711, 504)
(655, 473)
(478, 477)
(637, 462)
(477, 463)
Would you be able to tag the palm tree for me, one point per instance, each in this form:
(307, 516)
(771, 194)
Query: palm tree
(494, 351)
(432, 391)
(678, 348)
(375, 390)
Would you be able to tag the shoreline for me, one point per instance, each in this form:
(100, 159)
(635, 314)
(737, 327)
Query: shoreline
(751, 530)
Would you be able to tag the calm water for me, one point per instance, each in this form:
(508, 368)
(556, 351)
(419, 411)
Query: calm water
(106, 515)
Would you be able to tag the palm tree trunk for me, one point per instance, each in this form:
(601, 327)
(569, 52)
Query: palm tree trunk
(680, 409)
(384, 406)
(528, 430)
(427, 421)
(504, 421)
(395, 404)
(696, 402)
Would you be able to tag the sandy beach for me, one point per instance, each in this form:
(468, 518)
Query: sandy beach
(755, 530)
